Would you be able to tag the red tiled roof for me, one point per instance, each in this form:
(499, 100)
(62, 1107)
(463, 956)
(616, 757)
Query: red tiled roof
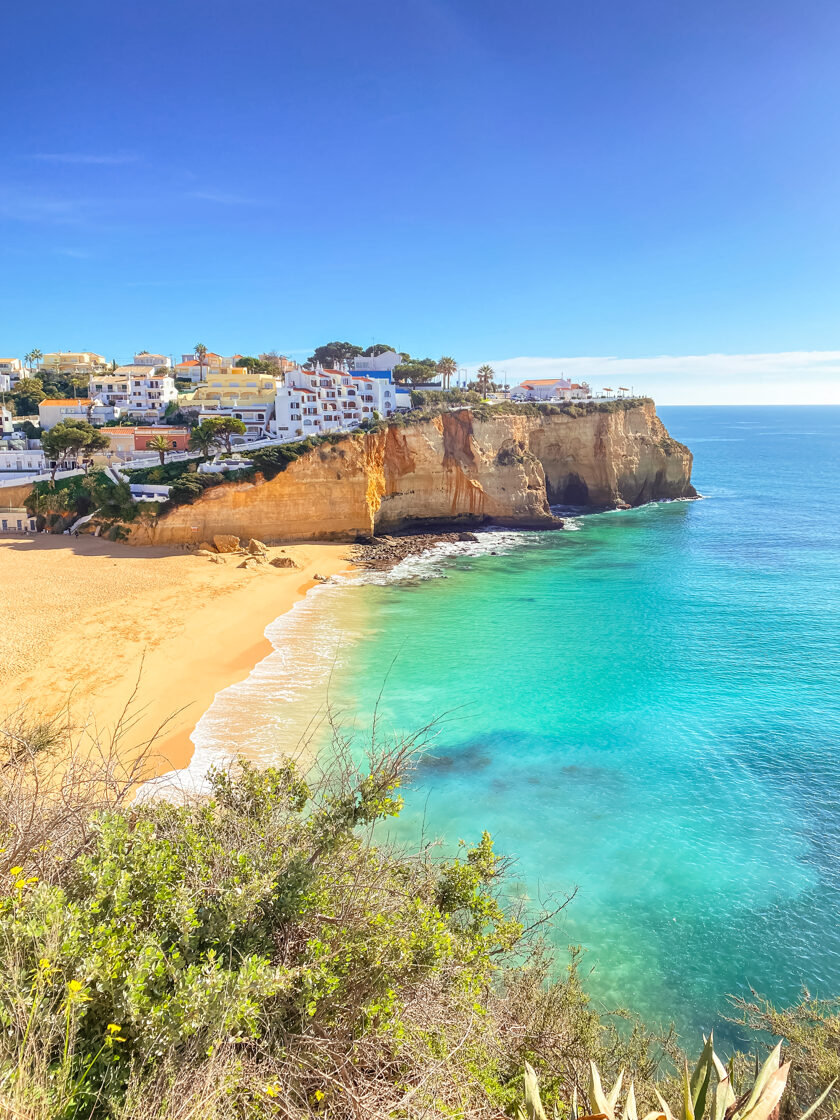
(68, 400)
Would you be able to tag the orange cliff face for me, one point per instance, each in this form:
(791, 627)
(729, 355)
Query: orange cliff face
(453, 470)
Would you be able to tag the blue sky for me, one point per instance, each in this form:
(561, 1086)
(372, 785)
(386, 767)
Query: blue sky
(472, 177)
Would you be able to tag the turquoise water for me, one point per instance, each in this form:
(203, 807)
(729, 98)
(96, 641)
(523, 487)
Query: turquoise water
(645, 707)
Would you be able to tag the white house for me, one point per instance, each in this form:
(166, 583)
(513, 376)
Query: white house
(6, 425)
(13, 369)
(545, 389)
(21, 459)
(53, 410)
(144, 358)
(5, 382)
(313, 402)
(379, 363)
(138, 390)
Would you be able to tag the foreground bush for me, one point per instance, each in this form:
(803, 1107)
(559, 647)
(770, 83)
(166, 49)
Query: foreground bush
(255, 952)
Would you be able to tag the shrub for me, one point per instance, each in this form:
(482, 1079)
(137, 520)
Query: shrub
(256, 953)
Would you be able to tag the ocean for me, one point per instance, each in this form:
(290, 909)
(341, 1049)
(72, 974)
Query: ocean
(644, 707)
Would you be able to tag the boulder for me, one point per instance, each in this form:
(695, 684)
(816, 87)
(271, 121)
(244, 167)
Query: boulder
(256, 548)
(283, 562)
(249, 562)
(205, 552)
(467, 537)
(225, 542)
(205, 546)
(320, 579)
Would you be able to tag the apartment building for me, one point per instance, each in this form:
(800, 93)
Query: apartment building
(157, 361)
(138, 390)
(73, 363)
(241, 393)
(316, 401)
(192, 368)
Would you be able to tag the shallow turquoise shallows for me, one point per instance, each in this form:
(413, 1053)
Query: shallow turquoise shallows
(645, 707)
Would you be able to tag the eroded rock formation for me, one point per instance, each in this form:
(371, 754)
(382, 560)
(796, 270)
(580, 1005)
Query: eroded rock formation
(454, 470)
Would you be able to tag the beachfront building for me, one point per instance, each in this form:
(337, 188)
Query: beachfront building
(240, 393)
(16, 519)
(73, 363)
(138, 390)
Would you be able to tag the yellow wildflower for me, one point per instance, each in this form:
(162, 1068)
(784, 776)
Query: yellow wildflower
(75, 985)
(272, 1090)
(13, 871)
(113, 1028)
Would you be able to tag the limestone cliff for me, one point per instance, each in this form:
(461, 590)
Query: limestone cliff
(454, 469)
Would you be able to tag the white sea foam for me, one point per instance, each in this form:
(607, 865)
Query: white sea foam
(272, 708)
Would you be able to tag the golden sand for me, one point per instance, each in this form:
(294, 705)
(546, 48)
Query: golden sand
(95, 622)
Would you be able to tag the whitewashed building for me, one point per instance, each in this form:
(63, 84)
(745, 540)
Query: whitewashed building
(137, 390)
(313, 402)
(550, 389)
(144, 358)
(13, 369)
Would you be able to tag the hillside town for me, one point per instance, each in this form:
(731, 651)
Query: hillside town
(156, 406)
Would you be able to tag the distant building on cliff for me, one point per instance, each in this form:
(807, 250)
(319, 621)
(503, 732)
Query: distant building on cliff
(551, 389)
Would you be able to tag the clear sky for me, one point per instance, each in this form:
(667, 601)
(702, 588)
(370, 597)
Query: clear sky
(629, 178)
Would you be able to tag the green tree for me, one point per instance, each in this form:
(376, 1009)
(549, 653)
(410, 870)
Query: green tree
(215, 432)
(205, 438)
(417, 371)
(227, 427)
(447, 368)
(334, 354)
(27, 395)
(376, 349)
(160, 444)
(484, 378)
(201, 354)
(74, 439)
(36, 356)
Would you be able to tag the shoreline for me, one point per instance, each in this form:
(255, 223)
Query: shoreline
(159, 630)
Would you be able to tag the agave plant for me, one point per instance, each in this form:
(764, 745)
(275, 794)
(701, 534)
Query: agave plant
(700, 1100)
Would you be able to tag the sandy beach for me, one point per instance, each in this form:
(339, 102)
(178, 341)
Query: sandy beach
(89, 621)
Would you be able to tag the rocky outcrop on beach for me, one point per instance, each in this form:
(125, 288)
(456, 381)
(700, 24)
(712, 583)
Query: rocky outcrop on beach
(452, 472)
(384, 553)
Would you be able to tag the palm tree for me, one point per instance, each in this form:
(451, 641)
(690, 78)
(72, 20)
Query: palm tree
(484, 376)
(160, 444)
(201, 353)
(36, 357)
(447, 368)
(204, 439)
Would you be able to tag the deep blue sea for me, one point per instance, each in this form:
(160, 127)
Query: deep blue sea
(645, 706)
